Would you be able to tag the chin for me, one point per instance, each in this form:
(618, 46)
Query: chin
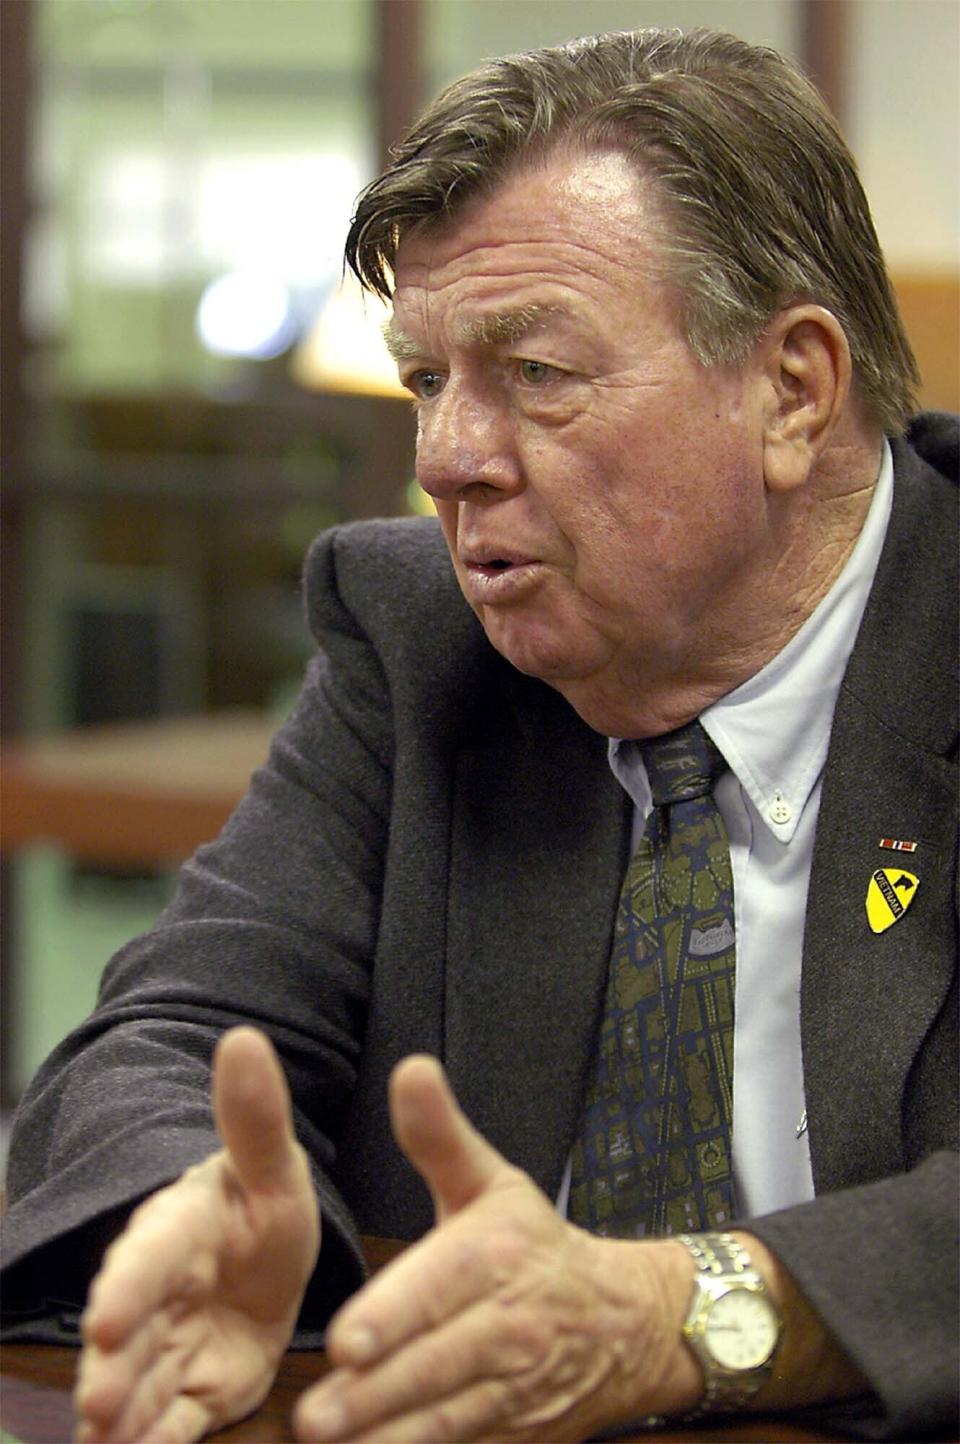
(586, 676)
(609, 717)
(544, 652)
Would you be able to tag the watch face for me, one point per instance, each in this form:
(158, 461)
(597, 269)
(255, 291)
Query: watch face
(741, 1330)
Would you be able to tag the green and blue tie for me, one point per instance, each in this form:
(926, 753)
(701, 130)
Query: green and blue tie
(654, 1152)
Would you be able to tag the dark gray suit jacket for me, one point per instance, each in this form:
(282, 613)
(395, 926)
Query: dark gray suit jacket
(431, 862)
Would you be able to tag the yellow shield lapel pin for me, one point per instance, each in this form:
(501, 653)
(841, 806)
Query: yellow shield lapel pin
(890, 893)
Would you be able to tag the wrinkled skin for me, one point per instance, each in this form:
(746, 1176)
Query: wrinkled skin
(505, 1322)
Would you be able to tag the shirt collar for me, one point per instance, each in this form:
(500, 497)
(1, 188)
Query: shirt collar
(774, 729)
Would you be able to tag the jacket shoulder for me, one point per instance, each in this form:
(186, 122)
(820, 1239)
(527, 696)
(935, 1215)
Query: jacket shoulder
(385, 577)
(905, 658)
(390, 586)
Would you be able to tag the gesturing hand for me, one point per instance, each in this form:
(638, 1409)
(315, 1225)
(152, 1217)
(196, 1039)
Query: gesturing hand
(505, 1322)
(197, 1300)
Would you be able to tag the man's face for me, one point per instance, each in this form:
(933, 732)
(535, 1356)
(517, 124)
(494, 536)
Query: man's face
(601, 492)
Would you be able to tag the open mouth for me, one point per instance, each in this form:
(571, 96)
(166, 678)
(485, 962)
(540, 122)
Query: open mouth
(496, 575)
(490, 566)
(495, 567)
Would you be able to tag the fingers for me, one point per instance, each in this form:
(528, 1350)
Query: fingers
(462, 1417)
(131, 1366)
(251, 1104)
(166, 1252)
(106, 1379)
(435, 1279)
(140, 1395)
(434, 1321)
(433, 1385)
(169, 1248)
(499, 1367)
(184, 1421)
(454, 1160)
(267, 1177)
(452, 1266)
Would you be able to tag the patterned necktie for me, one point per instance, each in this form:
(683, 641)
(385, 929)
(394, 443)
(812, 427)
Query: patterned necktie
(654, 1155)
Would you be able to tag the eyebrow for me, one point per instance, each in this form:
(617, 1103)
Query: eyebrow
(495, 329)
(506, 326)
(399, 344)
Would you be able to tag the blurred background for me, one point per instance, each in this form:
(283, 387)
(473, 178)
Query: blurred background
(188, 396)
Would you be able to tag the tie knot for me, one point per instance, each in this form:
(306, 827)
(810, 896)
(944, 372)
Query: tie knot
(682, 765)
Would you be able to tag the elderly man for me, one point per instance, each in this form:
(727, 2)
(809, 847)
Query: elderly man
(652, 842)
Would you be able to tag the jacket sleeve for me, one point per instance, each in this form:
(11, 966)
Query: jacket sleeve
(274, 923)
(879, 1265)
(876, 1251)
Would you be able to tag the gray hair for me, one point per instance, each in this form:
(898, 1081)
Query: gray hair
(760, 194)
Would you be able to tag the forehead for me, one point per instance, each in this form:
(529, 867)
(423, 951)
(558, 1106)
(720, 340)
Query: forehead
(568, 231)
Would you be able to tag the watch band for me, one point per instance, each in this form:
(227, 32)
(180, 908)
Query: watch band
(720, 1253)
(723, 1265)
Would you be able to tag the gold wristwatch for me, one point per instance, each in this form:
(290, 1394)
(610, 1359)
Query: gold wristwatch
(733, 1326)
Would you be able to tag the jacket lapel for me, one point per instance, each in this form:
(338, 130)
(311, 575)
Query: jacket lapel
(538, 848)
(868, 1000)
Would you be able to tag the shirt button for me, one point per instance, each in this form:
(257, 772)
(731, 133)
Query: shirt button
(780, 809)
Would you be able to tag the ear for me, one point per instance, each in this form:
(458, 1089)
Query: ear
(807, 367)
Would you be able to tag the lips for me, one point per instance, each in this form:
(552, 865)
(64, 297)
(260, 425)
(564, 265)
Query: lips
(492, 559)
(497, 567)
(493, 576)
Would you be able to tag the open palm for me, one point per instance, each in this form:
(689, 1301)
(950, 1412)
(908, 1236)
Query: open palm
(197, 1299)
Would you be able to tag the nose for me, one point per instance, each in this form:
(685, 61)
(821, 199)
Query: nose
(465, 446)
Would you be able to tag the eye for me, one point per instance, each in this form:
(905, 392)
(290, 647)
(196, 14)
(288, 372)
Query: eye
(535, 373)
(425, 384)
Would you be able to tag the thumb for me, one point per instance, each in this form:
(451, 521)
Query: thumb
(453, 1159)
(251, 1105)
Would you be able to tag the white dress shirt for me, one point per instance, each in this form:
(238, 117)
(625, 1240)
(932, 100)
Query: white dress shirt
(773, 731)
